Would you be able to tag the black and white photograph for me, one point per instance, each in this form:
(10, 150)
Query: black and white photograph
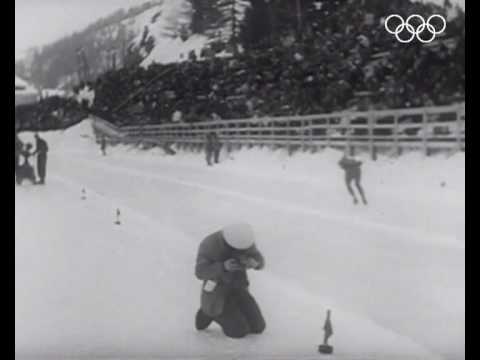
(240, 179)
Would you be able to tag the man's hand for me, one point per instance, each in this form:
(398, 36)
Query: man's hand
(250, 263)
(232, 265)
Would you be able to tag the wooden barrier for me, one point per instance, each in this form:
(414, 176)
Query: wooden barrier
(426, 129)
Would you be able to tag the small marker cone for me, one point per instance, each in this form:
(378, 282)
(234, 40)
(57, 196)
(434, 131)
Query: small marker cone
(117, 221)
(328, 332)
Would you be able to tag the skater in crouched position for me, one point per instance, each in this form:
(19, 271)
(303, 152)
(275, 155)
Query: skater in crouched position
(222, 263)
(353, 173)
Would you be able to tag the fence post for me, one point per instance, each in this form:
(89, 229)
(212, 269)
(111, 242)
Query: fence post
(371, 140)
(236, 144)
(179, 136)
(310, 134)
(396, 131)
(459, 114)
(350, 147)
(265, 133)
(348, 139)
(425, 132)
(288, 132)
(192, 137)
(304, 135)
(328, 132)
(271, 125)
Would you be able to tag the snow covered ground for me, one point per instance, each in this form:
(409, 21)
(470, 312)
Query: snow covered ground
(392, 273)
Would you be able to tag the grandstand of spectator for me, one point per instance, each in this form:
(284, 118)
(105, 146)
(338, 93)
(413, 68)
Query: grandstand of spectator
(327, 66)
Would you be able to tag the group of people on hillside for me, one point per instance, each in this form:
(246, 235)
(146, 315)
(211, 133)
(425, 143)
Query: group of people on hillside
(24, 152)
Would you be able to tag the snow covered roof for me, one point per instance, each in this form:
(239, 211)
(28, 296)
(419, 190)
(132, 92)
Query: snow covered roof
(20, 83)
(24, 92)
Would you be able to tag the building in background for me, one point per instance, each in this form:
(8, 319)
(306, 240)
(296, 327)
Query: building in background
(25, 94)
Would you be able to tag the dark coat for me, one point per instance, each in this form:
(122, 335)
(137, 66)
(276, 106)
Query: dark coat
(213, 143)
(212, 254)
(41, 147)
(18, 150)
(351, 166)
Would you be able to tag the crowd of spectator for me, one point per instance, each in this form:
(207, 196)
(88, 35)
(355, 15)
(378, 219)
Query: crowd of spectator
(342, 59)
(49, 114)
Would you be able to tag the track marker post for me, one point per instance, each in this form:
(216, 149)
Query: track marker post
(117, 221)
(325, 348)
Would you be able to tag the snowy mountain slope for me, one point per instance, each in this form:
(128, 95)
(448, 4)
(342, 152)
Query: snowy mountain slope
(168, 27)
(163, 32)
(129, 290)
(159, 31)
(163, 22)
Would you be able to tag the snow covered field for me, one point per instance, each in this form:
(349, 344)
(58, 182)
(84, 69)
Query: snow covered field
(392, 273)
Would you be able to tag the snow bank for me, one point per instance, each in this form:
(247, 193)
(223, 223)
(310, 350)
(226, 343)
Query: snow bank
(78, 137)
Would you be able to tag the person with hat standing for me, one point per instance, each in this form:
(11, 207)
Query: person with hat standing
(41, 150)
(103, 145)
(213, 147)
(223, 260)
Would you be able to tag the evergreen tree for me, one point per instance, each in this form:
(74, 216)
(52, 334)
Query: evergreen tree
(232, 14)
(205, 14)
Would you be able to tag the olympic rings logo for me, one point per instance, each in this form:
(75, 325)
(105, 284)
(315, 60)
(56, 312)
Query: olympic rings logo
(422, 27)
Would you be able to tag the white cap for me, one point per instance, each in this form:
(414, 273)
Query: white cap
(239, 236)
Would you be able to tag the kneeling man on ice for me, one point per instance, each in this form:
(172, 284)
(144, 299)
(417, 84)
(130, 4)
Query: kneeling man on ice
(222, 263)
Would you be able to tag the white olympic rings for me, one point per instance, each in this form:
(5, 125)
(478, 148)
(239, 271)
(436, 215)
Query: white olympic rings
(406, 25)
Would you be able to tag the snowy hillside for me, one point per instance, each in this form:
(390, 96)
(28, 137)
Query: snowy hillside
(164, 32)
(392, 272)
(163, 26)
(160, 31)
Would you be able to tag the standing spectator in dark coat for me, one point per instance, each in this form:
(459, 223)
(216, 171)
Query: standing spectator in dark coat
(213, 148)
(41, 150)
(353, 173)
(103, 145)
(18, 151)
(222, 263)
